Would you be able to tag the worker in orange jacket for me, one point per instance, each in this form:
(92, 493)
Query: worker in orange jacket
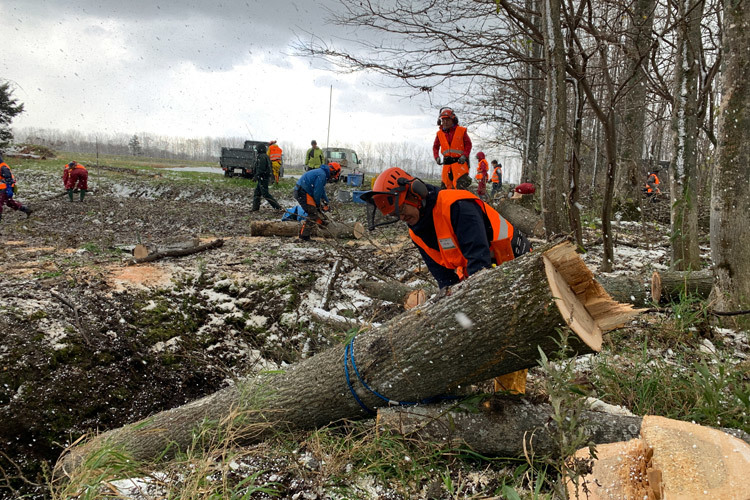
(8, 190)
(482, 177)
(652, 185)
(75, 174)
(453, 142)
(456, 233)
(497, 178)
(275, 154)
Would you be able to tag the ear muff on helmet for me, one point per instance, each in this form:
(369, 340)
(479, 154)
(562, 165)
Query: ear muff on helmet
(415, 187)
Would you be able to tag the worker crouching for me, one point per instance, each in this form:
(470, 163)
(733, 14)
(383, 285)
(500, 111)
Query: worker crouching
(8, 190)
(310, 193)
(75, 175)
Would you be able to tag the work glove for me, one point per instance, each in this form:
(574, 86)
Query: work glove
(438, 161)
(462, 159)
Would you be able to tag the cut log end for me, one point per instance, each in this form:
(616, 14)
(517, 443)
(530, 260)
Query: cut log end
(587, 308)
(671, 459)
(656, 287)
(414, 298)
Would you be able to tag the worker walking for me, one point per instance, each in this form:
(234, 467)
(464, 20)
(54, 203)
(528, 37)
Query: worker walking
(8, 190)
(75, 175)
(482, 170)
(275, 154)
(310, 193)
(456, 233)
(497, 178)
(314, 157)
(263, 172)
(453, 142)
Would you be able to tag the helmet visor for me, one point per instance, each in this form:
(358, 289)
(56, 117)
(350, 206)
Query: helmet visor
(382, 208)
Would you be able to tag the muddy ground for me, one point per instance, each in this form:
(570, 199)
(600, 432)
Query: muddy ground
(90, 342)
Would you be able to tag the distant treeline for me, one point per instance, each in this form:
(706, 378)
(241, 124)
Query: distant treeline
(140, 144)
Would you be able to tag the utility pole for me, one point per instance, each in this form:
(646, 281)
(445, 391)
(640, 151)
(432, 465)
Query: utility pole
(330, 99)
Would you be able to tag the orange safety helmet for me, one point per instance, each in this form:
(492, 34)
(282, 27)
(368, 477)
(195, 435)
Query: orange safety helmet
(393, 188)
(335, 169)
(447, 113)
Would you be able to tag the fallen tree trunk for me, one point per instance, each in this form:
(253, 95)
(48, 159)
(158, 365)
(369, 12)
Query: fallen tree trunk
(291, 229)
(492, 324)
(671, 285)
(522, 217)
(395, 292)
(507, 426)
(181, 252)
(662, 287)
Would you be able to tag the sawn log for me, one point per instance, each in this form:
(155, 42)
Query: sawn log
(522, 217)
(180, 252)
(291, 229)
(396, 292)
(662, 287)
(492, 324)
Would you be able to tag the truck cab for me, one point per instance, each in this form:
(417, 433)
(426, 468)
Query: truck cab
(350, 164)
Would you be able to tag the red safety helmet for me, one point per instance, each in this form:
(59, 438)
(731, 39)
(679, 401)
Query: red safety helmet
(393, 188)
(447, 113)
(335, 169)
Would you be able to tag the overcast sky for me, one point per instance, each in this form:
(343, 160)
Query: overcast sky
(193, 69)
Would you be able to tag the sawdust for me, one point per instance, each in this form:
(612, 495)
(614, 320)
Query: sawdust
(140, 276)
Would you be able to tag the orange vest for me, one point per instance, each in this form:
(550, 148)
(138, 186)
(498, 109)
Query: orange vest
(449, 255)
(77, 165)
(496, 175)
(274, 152)
(3, 185)
(456, 147)
(482, 169)
(656, 181)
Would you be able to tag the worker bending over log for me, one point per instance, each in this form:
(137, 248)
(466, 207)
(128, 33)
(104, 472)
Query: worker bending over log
(457, 233)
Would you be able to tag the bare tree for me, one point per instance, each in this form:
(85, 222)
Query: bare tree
(730, 200)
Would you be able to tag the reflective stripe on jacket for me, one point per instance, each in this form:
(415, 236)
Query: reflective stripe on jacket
(456, 147)
(6, 176)
(449, 254)
(274, 152)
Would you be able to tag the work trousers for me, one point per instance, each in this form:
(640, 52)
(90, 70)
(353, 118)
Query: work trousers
(307, 203)
(5, 201)
(261, 190)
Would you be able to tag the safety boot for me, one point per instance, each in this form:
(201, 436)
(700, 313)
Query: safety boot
(70, 194)
(83, 194)
(27, 211)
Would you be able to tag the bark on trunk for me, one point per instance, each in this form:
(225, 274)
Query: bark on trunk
(502, 426)
(662, 287)
(730, 201)
(332, 230)
(685, 129)
(555, 133)
(521, 217)
(178, 252)
(492, 324)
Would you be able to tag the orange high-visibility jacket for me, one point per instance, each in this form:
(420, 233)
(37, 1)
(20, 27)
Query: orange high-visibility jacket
(3, 185)
(456, 147)
(274, 152)
(68, 169)
(496, 174)
(449, 255)
(482, 169)
(656, 181)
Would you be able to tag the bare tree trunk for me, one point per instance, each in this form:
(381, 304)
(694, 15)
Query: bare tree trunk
(555, 135)
(432, 350)
(530, 169)
(632, 131)
(730, 196)
(685, 128)
(610, 145)
(574, 167)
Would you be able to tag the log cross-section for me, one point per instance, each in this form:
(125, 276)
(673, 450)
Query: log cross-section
(492, 324)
